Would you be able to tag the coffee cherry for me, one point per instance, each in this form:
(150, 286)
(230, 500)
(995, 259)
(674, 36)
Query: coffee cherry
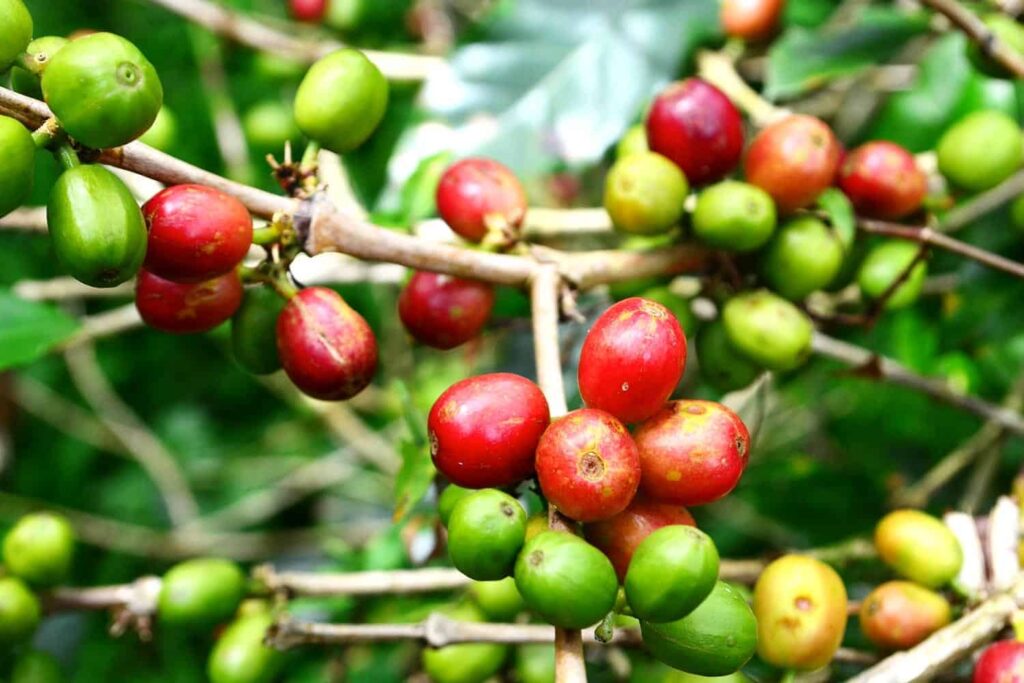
(201, 592)
(588, 465)
(103, 90)
(632, 359)
(444, 311)
(620, 536)
(644, 194)
(36, 666)
(793, 160)
(41, 51)
(468, 663)
(535, 663)
(341, 100)
(15, 31)
(679, 306)
(195, 233)
(768, 329)
(327, 349)
(735, 216)
(722, 366)
(751, 19)
(633, 141)
(715, 639)
(1000, 662)
(886, 263)
(919, 547)
(565, 580)
(1009, 33)
(476, 194)
(449, 498)
(240, 655)
(19, 611)
(692, 123)
(17, 171)
(804, 256)
(800, 605)
(179, 308)
(270, 125)
(96, 227)
(882, 180)
(308, 10)
(981, 150)
(485, 533)
(672, 571)
(691, 452)
(484, 430)
(163, 134)
(39, 549)
(898, 615)
(253, 331)
(536, 524)
(499, 600)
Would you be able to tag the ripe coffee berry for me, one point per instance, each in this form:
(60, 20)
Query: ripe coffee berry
(882, 180)
(632, 359)
(899, 614)
(692, 452)
(186, 308)
(1001, 662)
(619, 536)
(588, 465)
(195, 233)
(693, 124)
(751, 19)
(444, 311)
(477, 195)
(308, 10)
(484, 430)
(793, 160)
(327, 349)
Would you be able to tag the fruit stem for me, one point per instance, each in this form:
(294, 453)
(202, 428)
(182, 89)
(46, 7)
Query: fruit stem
(789, 676)
(66, 156)
(45, 135)
(266, 236)
(27, 62)
(309, 157)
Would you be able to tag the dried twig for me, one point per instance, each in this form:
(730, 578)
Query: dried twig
(979, 32)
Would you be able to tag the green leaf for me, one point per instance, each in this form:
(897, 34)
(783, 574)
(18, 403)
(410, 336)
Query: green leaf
(30, 329)
(804, 59)
(840, 215)
(417, 471)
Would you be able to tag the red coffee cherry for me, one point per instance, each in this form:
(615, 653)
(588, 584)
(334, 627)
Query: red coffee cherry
(476, 193)
(327, 349)
(308, 10)
(692, 123)
(750, 19)
(588, 465)
(793, 160)
(444, 311)
(484, 430)
(692, 452)
(632, 359)
(186, 308)
(1001, 662)
(882, 180)
(195, 233)
(619, 536)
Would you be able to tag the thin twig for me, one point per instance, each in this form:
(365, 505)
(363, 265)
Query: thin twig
(979, 33)
(106, 324)
(984, 203)
(47, 405)
(28, 218)
(61, 288)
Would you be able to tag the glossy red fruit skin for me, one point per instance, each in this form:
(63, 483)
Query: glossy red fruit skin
(327, 349)
(186, 308)
(793, 160)
(308, 10)
(882, 180)
(473, 189)
(750, 19)
(619, 536)
(632, 359)
(588, 465)
(444, 311)
(1001, 662)
(692, 123)
(692, 452)
(484, 430)
(195, 233)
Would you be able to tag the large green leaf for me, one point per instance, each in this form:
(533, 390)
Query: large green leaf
(29, 329)
(804, 59)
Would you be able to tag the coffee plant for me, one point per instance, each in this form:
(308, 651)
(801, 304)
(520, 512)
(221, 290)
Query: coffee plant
(466, 341)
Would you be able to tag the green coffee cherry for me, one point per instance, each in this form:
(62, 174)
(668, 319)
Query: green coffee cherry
(884, 264)
(201, 592)
(269, 125)
(1009, 33)
(671, 572)
(679, 306)
(535, 663)
(735, 216)
(721, 365)
(341, 100)
(499, 600)
(919, 547)
(644, 194)
(164, 131)
(39, 549)
(469, 663)
(767, 329)
(803, 257)
(18, 168)
(36, 666)
(15, 31)
(981, 150)
(41, 51)
(19, 611)
(253, 331)
(449, 498)
(485, 532)
(240, 655)
(634, 141)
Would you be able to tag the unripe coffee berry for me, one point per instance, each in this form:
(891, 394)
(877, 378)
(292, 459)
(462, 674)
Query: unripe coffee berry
(444, 311)
(884, 265)
(882, 180)
(19, 611)
(19, 164)
(721, 365)
(644, 194)
(16, 29)
(39, 549)
(734, 215)
(486, 530)
(478, 195)
(793, 160)
(769, 330)
(40, 52)
(180, 308)
(619, 536)
(899, 614)
(805, 255)
(981, 150)
(672, 571)
(918, 547)
(201, 592)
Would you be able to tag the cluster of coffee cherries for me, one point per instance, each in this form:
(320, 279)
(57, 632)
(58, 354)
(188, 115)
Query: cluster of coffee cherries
(627, 488)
